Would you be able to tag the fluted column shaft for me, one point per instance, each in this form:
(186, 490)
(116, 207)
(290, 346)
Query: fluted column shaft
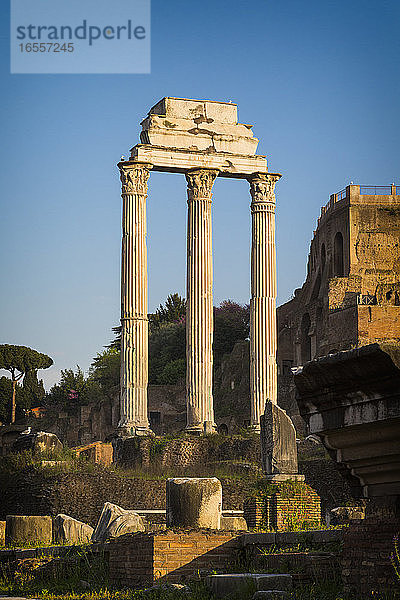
(263, 371)
(199, 307)
(134, 320)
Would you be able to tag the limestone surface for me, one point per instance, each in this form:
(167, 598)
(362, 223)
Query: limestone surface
(115, 521)
(201, 125)
(278, 442)
(233, 523)
(40, 441)
(67, 529)
(23, 530)
(194, 502)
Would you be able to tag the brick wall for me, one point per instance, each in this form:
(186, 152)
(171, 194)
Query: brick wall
(300, 509)
(284, 511)
(366, 563)
(140, 558)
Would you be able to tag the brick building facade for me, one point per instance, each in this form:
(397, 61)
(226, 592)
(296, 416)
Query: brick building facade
(351, 296)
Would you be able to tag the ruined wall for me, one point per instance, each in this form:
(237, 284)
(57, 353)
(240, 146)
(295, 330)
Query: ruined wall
(137, 559)
(351, 296)
(204, 453)
(81, 424)
(367, 550)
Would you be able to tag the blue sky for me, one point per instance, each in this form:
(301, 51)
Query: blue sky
(320, 83)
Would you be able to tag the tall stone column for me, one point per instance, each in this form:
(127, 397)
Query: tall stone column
(199, 307)
(134, 320)
(263, 383)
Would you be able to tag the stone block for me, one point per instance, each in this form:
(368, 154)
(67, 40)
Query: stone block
(278, 441)
(175, 108)
(194, 502)
(232, 523)
(67, 529)
(114, 521)
(97, 452)
(197, 125)
(28, 530)
(37, 442)
(2, 533)
(224, 585)
(342, 515)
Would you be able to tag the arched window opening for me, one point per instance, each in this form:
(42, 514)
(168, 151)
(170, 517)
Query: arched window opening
(223, 429)
(323, 258)
(305, 341)
(338, 259)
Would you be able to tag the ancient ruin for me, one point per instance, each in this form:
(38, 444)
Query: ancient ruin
(202, 140)
(351, 401)
(351, 296)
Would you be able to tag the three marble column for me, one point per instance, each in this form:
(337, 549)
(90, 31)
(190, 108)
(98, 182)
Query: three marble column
(199, 311)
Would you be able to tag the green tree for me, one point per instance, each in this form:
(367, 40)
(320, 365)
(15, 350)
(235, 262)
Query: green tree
(105, 371)
(173, 311)
(231, 325)
(166, 345)
(19, 360)
(70, 390)
(5, 395)
(32, 390)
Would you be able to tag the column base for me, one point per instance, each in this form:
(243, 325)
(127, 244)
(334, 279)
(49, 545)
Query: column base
(205, 428)
(254, 428)
(280, 477)
(127, 431)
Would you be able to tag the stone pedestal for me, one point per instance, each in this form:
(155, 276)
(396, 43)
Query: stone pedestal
(263, 382)
(194, 502)
(134, 321)
(278, 444)
(199, 308)
(27, 530)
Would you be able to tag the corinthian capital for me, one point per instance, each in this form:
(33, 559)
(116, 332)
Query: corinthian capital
(200, 182)
(262, 187)
(134, 178)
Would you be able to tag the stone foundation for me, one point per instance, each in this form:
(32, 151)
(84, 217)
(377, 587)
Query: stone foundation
(142, 559)
(161, 453)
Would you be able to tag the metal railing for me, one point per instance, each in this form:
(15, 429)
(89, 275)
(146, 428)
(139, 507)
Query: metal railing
(340, 195)
(367, 190)
(376, 190)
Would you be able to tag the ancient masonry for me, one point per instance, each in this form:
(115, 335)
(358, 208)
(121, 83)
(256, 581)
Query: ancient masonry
(351, 296)
(202, 140)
